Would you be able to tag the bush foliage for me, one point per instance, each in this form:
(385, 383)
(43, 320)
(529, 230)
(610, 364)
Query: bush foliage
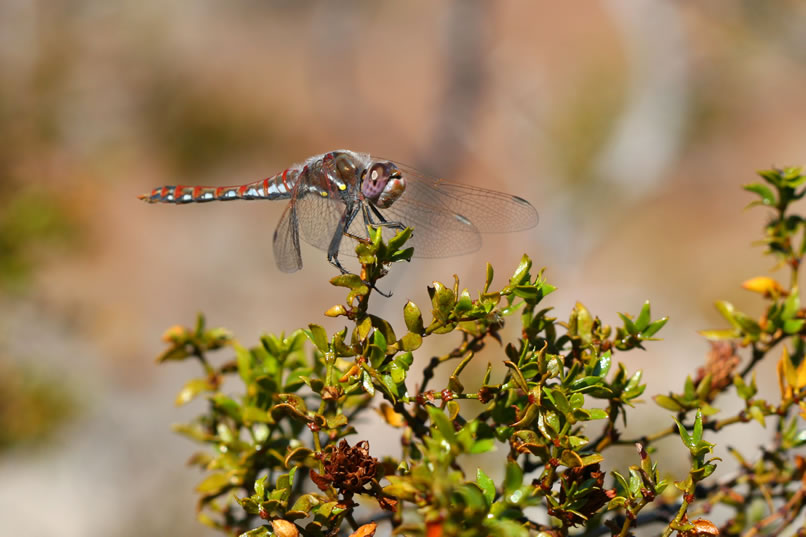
(282, 456)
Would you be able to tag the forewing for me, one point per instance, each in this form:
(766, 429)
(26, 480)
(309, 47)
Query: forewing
(438, 232)
(490, 211)
(286, 241)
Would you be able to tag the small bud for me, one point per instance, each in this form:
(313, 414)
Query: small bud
(284, 528)
(174, 333)
(641, 451)
(764, 285)
(353, 371)
(335, 311)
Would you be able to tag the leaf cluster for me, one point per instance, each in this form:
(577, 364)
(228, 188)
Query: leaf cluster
(283, 457)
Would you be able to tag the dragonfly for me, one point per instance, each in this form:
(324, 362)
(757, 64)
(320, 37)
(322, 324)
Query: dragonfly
(334, 197)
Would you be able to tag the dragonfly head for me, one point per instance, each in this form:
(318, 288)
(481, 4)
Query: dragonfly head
(383, 184)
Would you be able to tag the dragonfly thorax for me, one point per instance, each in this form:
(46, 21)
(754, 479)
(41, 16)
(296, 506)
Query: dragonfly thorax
(382, 184)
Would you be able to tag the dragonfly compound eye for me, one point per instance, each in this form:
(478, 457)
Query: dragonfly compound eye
(395, 185)
(375, 181)
(383, 184)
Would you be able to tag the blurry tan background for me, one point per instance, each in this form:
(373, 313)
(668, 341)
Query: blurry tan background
(629, 125)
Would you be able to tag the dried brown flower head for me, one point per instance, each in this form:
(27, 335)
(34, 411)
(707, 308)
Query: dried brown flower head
(720, 364)
(347, 469)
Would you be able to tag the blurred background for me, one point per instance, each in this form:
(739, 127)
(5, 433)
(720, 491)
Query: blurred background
(629, 125)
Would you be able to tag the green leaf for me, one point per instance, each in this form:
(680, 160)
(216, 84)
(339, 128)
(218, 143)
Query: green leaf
(226, 404)
(696, 434)
(642, 321)
(413, 318)
(243, 359)
(602, 365)
(442, 300)
(486, 485)
(726, 310)
(379, 341)
(622, 482)
(629, 325)
(748, 325)
(401, 488)
(719, 335)
(767, 196)
(597, 414)
(527, 292)
(522, 272)
(402, 255)
(351, 281)
(793, 326)
(214, 483)
(489, 279)
(318, 335)
(571, 459)
(366, 382)
(757, 414)
(593, 458)
(411, 342)
(191, 389)
(745, 392)
(634, 388)
(399, 239)
(464, 304)
(635, 482)
(362, 329)
(791, 305)
(443, 424)
(654, 327)
(303, 505)
(684, 436)
(513, 478)
(252, 414)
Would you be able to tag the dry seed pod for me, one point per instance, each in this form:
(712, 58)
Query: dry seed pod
(367, 530)
(284, 528)
(702, 528)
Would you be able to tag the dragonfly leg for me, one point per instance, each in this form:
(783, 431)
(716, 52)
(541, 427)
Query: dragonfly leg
(367, 222)
(346, 219)
(383, 222)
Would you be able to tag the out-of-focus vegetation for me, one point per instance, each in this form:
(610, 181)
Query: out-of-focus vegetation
(30, 221)
(198, 129)
(33, 405)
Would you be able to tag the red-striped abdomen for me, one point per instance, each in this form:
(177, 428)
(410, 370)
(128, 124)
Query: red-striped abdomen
(271, 188)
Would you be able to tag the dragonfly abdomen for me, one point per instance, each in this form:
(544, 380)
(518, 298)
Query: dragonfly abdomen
(278, 187)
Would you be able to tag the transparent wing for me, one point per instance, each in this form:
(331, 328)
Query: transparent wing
(438, 232)
(489, 210)
(286, 241)
(319, 218)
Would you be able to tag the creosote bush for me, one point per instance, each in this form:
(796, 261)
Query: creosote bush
(283, 458)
